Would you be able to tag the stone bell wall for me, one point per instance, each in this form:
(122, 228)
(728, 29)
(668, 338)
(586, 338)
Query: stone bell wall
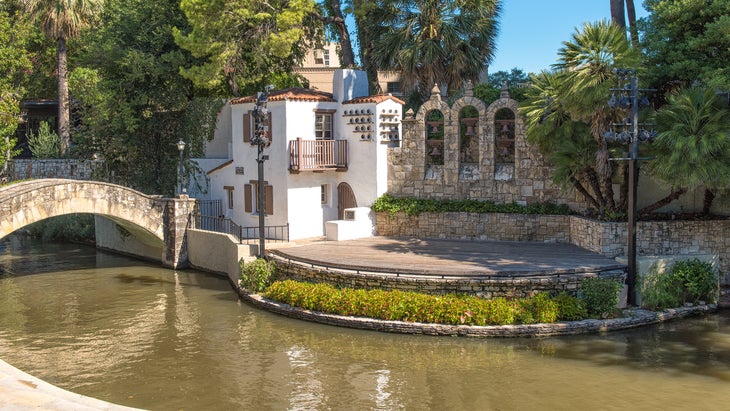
(529, 181)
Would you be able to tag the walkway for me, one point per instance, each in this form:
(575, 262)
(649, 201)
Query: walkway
(20, 391)
(433, 257)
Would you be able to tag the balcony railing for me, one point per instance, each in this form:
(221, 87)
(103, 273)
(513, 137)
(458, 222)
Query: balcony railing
(317, 155)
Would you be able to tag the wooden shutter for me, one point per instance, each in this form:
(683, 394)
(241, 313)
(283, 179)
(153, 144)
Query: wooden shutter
(247, 202)
(271, 131)
(269, 198)
(247, 127)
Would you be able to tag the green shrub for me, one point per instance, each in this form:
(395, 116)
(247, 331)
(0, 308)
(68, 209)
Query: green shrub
(600, 296)
(660, 290)
(257, 275)
(414, 307)
(686, 281)
(45, 143)
(699, 280)
(570, 308)
(415, 206)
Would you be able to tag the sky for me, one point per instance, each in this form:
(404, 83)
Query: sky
(532, 31)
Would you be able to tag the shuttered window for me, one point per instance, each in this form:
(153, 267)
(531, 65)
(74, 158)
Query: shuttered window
(251, 197)
(249, 125)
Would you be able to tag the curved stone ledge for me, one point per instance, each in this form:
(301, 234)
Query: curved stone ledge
(634, 318)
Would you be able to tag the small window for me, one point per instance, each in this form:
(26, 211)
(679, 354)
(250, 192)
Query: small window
(326, 57)
(229, 192)
(324, 195)
(393, 87)
(323, 126)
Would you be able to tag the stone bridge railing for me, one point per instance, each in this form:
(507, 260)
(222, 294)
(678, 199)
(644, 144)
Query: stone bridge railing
(166, 219)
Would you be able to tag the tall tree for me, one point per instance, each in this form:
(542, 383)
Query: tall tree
(587, 62)
(692, 149)
(61, 20)
(437, 42)
(573, 99)
(13, 63)
(131, 95)
(245, 44)
(687, 41)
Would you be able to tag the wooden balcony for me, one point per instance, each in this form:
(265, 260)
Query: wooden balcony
(317, 155)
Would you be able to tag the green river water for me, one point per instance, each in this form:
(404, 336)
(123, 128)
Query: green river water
(140, 335)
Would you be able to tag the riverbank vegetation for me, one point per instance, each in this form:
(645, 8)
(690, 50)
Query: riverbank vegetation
(597, 298)
(688, 281)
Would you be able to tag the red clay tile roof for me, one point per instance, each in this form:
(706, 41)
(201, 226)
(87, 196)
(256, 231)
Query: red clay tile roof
(290, 94)
(374, 99)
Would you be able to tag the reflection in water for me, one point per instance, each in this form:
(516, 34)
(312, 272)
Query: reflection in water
(143, 336)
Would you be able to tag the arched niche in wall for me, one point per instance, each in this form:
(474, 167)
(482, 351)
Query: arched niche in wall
(504, 144)
(435, 138)
(468, 143)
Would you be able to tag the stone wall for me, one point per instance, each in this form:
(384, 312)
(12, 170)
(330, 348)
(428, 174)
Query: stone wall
(654, 238)
(476, 226)
(485, 287)
(527, 179)
(24, 169)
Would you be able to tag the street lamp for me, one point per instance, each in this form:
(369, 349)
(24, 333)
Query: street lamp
(180, 170)
(262, 140)
(626, 97)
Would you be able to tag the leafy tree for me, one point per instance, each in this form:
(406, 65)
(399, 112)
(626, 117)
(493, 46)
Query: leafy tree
(13, 63)
(131, 94)
(61, 20)
(516, 80)
(244, 44)
(687, 41)
(437, 42)
(693, 144)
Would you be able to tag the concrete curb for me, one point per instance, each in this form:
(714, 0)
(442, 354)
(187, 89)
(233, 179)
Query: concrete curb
(634, 318)
(22, 391)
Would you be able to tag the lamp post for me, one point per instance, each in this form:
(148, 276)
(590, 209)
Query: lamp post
(262, 140)
(180, 171)
(632, 132)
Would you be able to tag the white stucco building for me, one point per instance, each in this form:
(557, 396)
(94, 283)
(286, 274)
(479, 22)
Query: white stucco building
(328, 152)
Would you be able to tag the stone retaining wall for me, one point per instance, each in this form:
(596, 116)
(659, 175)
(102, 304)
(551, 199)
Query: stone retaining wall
(484, 287)
(654, 238)
(23, 169)
(634, 318)
(476, 226)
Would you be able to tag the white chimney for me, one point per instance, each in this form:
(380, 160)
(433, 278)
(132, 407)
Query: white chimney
(348, 84)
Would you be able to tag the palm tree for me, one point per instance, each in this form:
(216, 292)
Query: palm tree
(586, 63)
(61, 20)
(693, 144)
(444, 42)
(567, 143)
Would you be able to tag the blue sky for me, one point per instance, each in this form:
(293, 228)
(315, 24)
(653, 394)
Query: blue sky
(532, 31)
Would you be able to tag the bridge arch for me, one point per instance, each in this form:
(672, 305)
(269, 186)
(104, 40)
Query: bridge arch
(166, 219)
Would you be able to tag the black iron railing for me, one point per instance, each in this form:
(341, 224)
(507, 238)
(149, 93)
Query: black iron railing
(273, 233)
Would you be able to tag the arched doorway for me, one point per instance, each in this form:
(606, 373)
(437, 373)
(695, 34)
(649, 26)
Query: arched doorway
(345, 199)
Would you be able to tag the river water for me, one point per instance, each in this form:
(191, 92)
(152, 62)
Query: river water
(136, 334)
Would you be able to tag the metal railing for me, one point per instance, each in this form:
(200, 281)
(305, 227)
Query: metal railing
(273, 233)
(317, 155)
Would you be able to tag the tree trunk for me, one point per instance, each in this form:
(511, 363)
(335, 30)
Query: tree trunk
(707, 203)
(664, 201)
(348, 56)
(591, 200)
(631, 12)
(63, 111)
(617, 13)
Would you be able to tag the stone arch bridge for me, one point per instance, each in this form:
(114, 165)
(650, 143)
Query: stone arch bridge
(164, 220)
